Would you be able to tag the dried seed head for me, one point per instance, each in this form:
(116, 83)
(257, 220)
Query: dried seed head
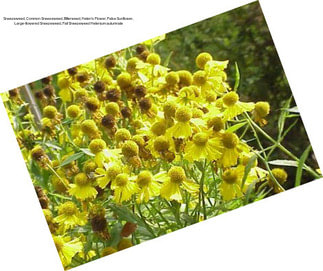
(140, 91)
(110, 62)
(108, 121)
(99, 87)
(72, 71)
(92, 104)
(113, 95)
(126, 112)
(49, 91)
(145, 104)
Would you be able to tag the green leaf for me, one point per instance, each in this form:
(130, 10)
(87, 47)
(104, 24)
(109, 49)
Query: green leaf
(248, 168)
(236, 127)
(300, 166)
(50, 145)
(71, 158)
(166, 62)
(124, 214)
(293, 109)
(237, 79)
(282, 117)
(87, 152)
(287, 163)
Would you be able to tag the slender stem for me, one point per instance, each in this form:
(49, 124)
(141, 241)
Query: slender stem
(281, 147)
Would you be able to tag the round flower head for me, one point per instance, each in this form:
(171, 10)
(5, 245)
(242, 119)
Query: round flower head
(69, 216)
(50, 111)
(124, 243)
(230, 186)
(124, 80)
(108, 121)
(110, 62)
(183, 114)
(67, 248)
(182, 128)
(169, 109)
(158, 128)
(81, 94)
(210, 96)
(153, 59)
(130, 149)
(230, 155)
(82, 77)
(97, 145)
(280, 175)
(123, 188)
(233, 107)
(122, 135)
(174, 182)
(105, 177)
(112, 108)
(185, 78)
(89, 128)
(145, 104)
(108, 251)
(161, 144)
(140, 141)
(131, 64)
(202, 59)
(113, 95)
(197, 113)
(216, 123)
(82, 188)
(126, 112)
(203, 147)
(37, 153)
(148, 186)
(172, 78)
(89, 166)
(73, 111)
(128, 229)
(199, 78)
(92, 104)
(99, 86)
(261, 111)
(140, 91)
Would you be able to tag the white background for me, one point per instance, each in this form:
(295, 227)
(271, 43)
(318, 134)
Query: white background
(283, 232)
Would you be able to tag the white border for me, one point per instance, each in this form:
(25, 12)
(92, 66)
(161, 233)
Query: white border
(283, 232)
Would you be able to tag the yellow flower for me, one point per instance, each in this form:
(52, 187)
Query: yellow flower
(148, 186)
(174, 182)
(182, 127)
(230, 186)
(82, 188)
(233, 107)
(230, 154)
(69, 216)
(202, 146)
(107, 176)
(67, 248)
(123, 188)
(261, 110)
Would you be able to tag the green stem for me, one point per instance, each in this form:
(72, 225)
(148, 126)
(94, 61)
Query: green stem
(281, 147)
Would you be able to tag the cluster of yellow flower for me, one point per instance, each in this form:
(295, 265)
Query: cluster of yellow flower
(126, 130)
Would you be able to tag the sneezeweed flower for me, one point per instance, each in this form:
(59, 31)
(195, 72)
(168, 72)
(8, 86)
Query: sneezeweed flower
(123, 188)
(175, 182)
(261, 111)
(230, 152)
(73, 111)
(82, 188)
(124, 243)
(97, 146)
(39, 155)
(202, 59)
(182, 127)
(108, 251)
(233, 107)
(122, 135)
(69, 216)
(148, 186)
(107, 176)
(203, 147)
(280, 175)
(230, 186)
(67, 248)
(89, 128)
